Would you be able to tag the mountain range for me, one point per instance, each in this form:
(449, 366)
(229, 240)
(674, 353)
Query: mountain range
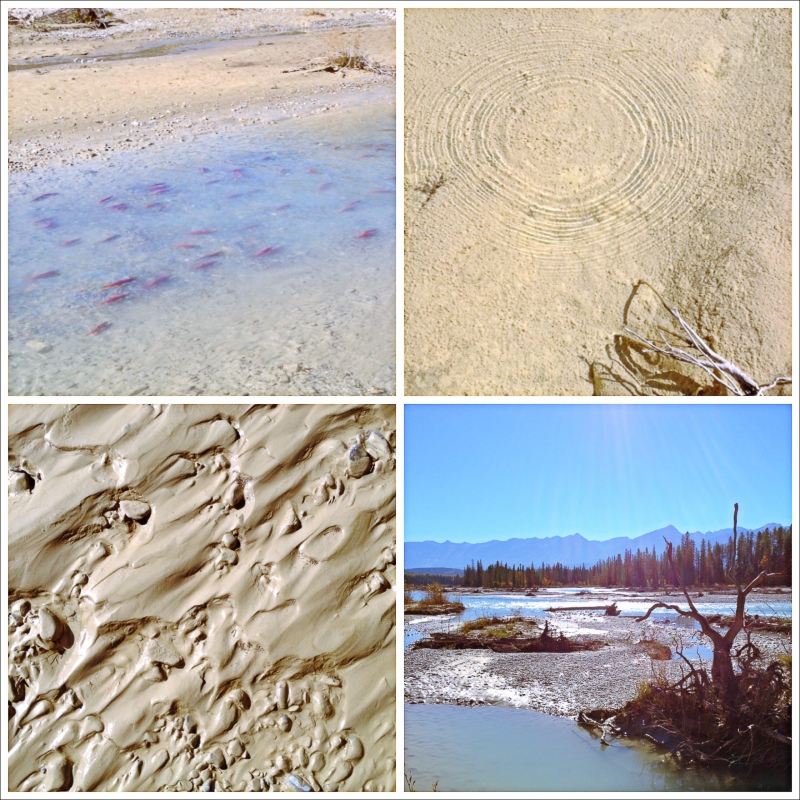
(571, 551)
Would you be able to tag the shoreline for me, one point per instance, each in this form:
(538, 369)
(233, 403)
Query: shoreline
(246, 71)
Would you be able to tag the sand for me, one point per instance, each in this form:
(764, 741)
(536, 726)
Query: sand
(201, 597)
(569, 173)
(236, 75)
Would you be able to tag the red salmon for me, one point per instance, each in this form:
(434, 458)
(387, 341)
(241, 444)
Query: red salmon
(156, 281)
(99, 328)
(69, 242)
(203, 265)
(200, 232)
(266, 251)
(44, 196)
(114, 298)
(367, 234)
(120, 282)
(51, 273)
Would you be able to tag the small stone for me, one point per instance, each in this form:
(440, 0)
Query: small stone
(234, 496)
(285, 723)
(228, 557)
(293, 783)
(235, 749)
(134, 510)
(377, 446)
(19, 482)
(38, 347)
(230, 541)
(217, 758)
(289, 521)
(321, 705)
(353, 750)
(359, 461)
(50, 626)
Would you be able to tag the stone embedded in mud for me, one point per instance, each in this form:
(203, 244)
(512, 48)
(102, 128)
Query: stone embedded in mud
(134, 510)
(289, 521)
(359, 461)
(234, 496)
(19, 482)
(50, 626)
(353, 750)
(293, 783)
(377, 446)
(321, 705)
(285, 723)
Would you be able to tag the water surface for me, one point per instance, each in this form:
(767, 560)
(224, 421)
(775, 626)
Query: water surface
(261, 262)
(490, 749)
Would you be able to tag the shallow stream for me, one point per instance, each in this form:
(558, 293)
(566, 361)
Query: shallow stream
(261, 262)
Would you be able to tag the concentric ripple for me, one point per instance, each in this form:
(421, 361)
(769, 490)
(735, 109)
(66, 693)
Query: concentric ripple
(577, 146)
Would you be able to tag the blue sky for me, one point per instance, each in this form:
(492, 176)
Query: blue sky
(479, 472)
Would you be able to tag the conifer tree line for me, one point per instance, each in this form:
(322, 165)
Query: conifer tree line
(703, 565)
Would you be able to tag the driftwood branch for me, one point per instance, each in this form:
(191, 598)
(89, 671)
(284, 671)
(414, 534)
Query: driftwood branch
(720, 369)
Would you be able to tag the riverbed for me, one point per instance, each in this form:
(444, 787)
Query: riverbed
(253, 263)
(521, 707)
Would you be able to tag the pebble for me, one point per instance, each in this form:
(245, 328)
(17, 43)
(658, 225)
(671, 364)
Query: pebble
(38, 347)
(359, 461)
(285, 723)
(134, 510)
(19, 481)
(234, 496)
(316, 762)
(296, 784)
(354, 750)
(50, 626)
(230, 541)
(377, 446)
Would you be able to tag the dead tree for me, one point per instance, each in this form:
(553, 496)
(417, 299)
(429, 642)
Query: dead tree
(723, 676)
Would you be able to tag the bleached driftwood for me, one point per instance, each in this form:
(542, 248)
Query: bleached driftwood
(719, 368)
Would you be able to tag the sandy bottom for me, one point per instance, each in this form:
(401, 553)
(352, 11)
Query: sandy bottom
(201, 597)
(572, 172)
(297, 298)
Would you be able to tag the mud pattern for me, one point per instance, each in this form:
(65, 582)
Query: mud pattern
(201, 598)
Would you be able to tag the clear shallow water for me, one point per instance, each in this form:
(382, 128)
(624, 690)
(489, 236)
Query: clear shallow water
(261, 263)
(506, 750)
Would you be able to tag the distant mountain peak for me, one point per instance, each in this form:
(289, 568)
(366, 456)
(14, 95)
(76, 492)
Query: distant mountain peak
(572, 550)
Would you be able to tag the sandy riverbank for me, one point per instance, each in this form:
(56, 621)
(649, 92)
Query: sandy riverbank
(201, 597)
(571, 172)
(561, 684)
(235, 67)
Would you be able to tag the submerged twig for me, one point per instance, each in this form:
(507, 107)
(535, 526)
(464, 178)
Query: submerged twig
(720, 369)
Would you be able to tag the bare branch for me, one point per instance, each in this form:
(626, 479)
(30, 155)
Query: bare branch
(659, 604)
(720, 369)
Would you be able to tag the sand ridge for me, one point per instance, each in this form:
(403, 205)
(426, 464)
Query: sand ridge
(202, 597)
(557, 159)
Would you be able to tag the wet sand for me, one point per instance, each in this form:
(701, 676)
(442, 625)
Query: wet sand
(235, 75)
(201, 597)
(572, 172)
